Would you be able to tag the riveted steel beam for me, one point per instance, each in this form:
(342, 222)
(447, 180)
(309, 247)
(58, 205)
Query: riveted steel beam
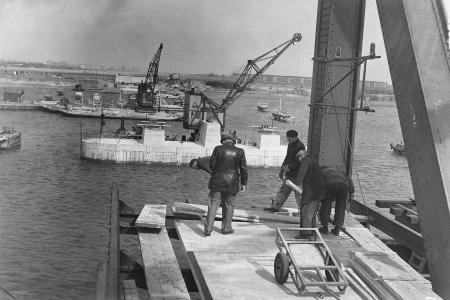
(417, 52)
(332, 117)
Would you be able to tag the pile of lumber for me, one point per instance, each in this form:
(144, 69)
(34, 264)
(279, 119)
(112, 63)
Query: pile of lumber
(405, 212)
(389, 279)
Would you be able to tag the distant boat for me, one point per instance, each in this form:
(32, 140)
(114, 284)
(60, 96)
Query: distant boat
(49, 100)
(281, 114)
(265, 129)
(263, 106)
(113, 113)
(9, 138)
(398, 149)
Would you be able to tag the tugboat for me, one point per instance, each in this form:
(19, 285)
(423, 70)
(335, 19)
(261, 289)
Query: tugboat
(9, 138)
(263, 106)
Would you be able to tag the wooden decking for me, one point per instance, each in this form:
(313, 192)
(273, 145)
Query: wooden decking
(241, 265)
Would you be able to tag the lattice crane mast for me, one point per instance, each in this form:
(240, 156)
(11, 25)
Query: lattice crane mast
(199, 106)
(146, 97)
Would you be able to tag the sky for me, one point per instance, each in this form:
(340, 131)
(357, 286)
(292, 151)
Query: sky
(199, 36)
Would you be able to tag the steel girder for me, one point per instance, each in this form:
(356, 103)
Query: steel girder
(332, 116)
(417, 53)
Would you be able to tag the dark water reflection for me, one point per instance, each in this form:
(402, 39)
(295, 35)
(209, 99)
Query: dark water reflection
(55, 207)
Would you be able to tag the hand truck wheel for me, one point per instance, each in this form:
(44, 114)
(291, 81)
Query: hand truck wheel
(281, 267)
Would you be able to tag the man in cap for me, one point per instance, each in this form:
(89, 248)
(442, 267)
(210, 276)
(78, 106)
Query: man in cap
(288, 170)
(228, 176)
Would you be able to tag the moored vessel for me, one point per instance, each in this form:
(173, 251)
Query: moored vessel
(9, 138)
(263, 107)
(150, 145)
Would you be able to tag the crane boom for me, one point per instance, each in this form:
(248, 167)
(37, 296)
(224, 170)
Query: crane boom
(246, 79)
(198, 106)
(146, 89)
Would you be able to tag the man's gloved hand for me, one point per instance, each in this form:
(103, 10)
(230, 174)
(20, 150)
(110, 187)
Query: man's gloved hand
(283, 171)
(285, 168)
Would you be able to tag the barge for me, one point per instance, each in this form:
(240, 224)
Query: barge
(153, 147)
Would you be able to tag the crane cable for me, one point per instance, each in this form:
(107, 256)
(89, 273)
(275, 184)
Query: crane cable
(347, 140)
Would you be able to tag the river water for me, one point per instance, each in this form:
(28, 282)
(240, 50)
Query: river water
(55, 207)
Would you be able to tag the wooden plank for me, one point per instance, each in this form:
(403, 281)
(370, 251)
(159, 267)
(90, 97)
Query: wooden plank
(391, 203)
(249, 276)
(198, 277)
(410, 210)
(380, 264)
(391, 276)
(113, 265)
(372, 282)
(362, 288)
(100, 286)
(249, 215)
(191, 234)
(400, 232)
(162, 273)
(152, 216)
(129, 289)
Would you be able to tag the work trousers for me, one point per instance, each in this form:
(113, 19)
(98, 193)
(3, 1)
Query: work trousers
(338, 192)
(227, 201)
(282, 196)
(308, 213)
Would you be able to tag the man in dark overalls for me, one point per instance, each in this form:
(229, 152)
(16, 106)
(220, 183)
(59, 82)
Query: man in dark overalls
(228, 176)
(339, 188)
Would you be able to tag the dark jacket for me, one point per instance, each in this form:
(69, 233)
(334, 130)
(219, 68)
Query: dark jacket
(229, 168)
(312, 181)
(334, 175)
(291, 160)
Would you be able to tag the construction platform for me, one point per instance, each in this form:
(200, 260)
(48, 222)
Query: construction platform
(241, 265)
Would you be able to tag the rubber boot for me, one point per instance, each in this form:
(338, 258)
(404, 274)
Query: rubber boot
(227, 218)
(210, 217)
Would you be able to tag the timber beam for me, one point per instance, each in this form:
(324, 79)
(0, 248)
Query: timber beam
(402, 233)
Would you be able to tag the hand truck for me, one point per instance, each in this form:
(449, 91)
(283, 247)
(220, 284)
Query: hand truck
(285, 263)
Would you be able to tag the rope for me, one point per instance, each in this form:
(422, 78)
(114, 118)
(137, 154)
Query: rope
(9, 294)
(347, 141)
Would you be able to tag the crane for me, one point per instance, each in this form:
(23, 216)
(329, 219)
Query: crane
(146, 89)
(199, 107)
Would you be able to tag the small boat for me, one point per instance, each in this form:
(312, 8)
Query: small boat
(265, 129)
(398, 149)
(281, 114)
(263, 106)
(9, 138)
